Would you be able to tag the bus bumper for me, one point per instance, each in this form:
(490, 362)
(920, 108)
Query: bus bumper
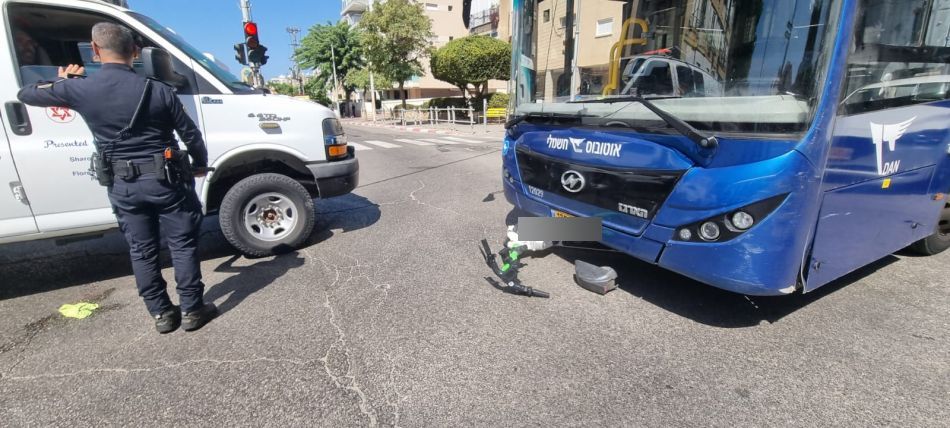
(744, 265)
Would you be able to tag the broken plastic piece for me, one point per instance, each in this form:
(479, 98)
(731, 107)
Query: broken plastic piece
(79, 310)
(599, 279)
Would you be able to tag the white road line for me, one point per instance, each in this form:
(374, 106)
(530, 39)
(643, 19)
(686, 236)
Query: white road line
(383, 144)
(414, 142)
(359, 147)
(440, 141)
(462, 140)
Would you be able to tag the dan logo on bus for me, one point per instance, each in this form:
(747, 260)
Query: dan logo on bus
(888, 133)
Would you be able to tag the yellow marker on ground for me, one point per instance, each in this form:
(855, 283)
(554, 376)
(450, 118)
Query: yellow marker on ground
(79, 310)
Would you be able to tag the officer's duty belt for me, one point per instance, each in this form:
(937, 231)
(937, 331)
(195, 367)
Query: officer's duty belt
(130, 169)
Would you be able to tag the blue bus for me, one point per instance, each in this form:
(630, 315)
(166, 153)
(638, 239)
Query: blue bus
(765, 147)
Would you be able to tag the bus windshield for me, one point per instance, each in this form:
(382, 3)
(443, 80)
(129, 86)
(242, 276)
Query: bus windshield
(721, 65)
(233, 82)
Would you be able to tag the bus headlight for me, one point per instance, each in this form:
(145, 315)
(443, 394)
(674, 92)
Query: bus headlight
(728, 225)
(709, 231)
(742, 220)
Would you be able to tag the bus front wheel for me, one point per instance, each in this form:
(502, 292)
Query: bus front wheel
(940, 240)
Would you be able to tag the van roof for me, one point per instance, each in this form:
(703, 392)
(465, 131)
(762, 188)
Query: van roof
(72, 2)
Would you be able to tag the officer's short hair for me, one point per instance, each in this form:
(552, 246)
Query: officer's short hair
(115, 38)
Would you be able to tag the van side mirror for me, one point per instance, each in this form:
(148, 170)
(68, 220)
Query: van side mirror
(157, 63)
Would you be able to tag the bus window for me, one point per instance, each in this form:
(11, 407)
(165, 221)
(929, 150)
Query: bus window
(905, 65)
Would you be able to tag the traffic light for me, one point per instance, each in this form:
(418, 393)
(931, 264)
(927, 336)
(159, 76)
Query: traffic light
(257, 55)
(239, 54)
(250, 35)
(256, 52)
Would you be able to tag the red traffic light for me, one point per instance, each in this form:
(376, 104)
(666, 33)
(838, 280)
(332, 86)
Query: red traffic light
(250, 29)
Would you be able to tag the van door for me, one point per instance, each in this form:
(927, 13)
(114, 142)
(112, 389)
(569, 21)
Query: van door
(53, 157)
(16, 218)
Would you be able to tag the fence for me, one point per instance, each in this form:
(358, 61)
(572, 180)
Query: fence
(445, 115)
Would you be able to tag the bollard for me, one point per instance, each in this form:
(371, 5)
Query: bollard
(471, 118)
(485, 113)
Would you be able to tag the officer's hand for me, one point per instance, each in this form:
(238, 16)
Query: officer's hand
(201, 172)
(71, 69)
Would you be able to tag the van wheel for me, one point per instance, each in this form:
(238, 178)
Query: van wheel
(940, 240)
(265, 214)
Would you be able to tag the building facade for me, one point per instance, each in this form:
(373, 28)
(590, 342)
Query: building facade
(446, 16)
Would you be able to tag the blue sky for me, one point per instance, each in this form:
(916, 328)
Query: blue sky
(215, 25)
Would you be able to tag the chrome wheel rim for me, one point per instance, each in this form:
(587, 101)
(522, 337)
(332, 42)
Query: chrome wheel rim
(270, 216)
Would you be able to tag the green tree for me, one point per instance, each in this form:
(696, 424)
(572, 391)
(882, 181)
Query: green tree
(359, 79)
(282, 88)
(396, 37)
(315, 52)
(316, 89)
(470, 62)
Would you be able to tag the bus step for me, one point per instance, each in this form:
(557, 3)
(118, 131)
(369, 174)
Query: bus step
(599, 279)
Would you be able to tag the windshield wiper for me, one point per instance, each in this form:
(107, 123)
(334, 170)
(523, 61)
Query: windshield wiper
(687, 130)
(544, 115)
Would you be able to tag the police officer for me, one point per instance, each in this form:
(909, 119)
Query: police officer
(141, 197)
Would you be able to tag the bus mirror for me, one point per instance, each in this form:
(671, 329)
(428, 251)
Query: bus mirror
(158, 65)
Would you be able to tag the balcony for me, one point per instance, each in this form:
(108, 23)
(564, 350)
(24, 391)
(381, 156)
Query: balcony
(354, 6)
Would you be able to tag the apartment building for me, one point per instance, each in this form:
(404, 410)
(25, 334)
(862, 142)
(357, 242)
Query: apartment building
(447, 24)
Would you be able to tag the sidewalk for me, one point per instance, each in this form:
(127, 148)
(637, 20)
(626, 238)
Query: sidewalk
(491, 130)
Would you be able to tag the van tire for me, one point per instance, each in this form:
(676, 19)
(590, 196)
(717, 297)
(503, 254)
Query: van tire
(256, 230)
(940, 240)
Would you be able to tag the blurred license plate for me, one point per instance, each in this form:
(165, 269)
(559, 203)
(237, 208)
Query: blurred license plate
(560, 214)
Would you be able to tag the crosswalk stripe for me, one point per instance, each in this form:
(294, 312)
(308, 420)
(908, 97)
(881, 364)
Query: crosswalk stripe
(462, 140)
(359, 147)
(440, 141)
(414, 142)
(383, 144)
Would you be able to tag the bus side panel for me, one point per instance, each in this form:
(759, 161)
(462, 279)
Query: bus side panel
(866, 221)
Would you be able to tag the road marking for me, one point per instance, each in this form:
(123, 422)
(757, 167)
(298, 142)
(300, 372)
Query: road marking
(383, 144)
(414, 142)
(462, 140)
(440, 141)
(359, 147)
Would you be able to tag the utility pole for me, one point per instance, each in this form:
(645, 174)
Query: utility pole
(294, 44)
(255, 68)
(336, 84)
(372, 83)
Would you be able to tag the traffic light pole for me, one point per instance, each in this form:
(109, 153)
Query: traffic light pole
(255, 67)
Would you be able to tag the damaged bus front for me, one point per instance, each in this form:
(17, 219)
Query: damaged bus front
(716, 138)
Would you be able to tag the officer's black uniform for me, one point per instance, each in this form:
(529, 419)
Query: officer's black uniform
(107, 101)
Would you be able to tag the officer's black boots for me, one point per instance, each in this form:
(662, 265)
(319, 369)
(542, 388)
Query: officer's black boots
(168, 321)
(196, 319)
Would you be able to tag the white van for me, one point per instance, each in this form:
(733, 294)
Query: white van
(272, 154)
(660, 75)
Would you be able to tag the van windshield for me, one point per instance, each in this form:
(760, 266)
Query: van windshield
(722, 65)
(233, 82)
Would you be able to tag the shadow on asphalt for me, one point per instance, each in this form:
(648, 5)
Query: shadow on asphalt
(694, 300)
(35, 267)
(249, 279)
(704, 303)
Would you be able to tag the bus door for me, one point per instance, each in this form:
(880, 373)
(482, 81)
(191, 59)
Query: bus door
(890, 138)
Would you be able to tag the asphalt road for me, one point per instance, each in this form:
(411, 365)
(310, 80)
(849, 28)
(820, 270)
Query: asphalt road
(386, 318)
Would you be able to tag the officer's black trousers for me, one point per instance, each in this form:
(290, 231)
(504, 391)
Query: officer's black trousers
(144, 204)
